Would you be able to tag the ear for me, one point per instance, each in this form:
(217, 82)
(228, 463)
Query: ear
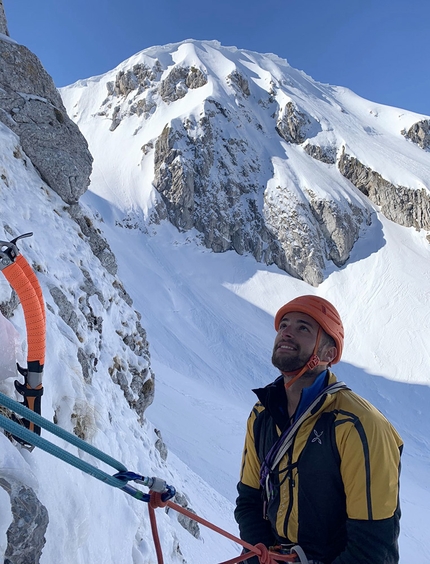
(328, 354)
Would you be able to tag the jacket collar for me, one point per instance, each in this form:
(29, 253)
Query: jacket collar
(274, 398)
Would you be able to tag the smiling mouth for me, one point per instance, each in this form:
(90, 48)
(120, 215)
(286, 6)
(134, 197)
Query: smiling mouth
(285, 347)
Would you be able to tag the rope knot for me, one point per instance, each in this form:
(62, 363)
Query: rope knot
(264, 556)
(155, 500)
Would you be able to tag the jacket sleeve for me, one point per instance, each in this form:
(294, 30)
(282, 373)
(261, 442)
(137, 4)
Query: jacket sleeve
(253, 527)
(370, 452)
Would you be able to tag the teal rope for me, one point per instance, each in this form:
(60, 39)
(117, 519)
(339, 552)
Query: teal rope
(28, 436)
(32, 438)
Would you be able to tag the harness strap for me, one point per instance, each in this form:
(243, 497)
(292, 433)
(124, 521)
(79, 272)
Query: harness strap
(277, 452)
(313, 361)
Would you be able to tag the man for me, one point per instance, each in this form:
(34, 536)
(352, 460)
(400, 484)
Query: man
(320, 467)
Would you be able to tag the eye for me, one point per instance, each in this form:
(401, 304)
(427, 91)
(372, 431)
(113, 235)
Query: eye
(304, 328)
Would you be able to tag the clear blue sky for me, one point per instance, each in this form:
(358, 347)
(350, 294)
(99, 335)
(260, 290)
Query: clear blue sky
(380, 49)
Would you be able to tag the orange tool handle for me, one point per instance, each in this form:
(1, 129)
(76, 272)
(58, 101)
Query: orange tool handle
(32, 278)
(30, 295)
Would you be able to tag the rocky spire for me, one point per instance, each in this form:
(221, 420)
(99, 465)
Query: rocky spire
(3, 21)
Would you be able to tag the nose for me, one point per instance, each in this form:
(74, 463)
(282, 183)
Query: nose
(286, 330)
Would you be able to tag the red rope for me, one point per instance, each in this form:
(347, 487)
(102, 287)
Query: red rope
(264, 555)
(155, 536)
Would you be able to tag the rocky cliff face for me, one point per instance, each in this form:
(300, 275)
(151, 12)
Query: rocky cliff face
(87, 307)
(90, 317)
(31, 107)
(402, 205)
(222, 208)
(419, 133)
(214, 187)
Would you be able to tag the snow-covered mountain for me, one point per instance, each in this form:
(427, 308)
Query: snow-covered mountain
(252, 153)
(199, 149)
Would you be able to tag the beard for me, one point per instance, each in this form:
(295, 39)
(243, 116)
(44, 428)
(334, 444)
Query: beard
(288, 362)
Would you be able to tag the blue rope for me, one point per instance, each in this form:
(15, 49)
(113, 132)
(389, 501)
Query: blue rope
(28, 436)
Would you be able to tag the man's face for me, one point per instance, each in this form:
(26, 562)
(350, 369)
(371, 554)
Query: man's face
(295, 341)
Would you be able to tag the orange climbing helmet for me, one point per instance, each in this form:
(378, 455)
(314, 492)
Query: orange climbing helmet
(323, 312)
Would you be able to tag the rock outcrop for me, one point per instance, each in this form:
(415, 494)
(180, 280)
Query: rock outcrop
(130, 368)
(198, 183)
(97, 242)
(325, 154)
(186, 522)
(135, 91)
(239, 83)
(26, 533)
(179, 80)
(407, 207)
(419, 133)
(31, 107)
(292, 124)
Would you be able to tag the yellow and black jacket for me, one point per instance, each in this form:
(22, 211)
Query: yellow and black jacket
(336, 490)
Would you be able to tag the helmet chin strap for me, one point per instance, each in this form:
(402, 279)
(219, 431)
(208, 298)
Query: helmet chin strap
(313, 361)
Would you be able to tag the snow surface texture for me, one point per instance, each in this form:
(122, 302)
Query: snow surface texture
(209, 322)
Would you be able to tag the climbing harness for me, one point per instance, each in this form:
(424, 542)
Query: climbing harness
(160, 494)
(23, 280)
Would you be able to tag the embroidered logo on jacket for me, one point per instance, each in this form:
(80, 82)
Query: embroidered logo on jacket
(317, 437)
